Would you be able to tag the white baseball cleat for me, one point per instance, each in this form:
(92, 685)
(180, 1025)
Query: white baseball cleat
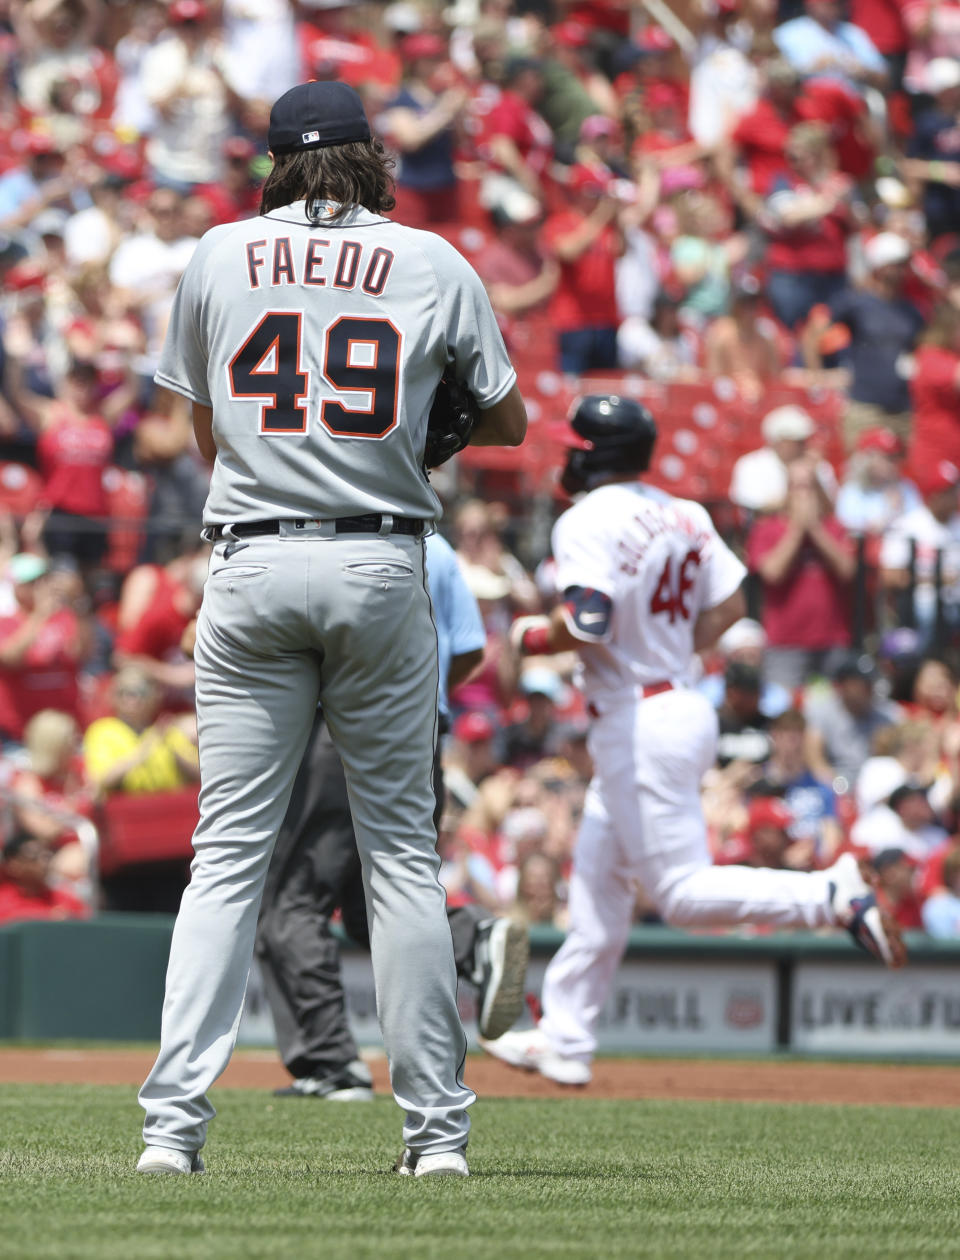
(855, 908)
(164, 1159)
(533, 1053)
(440, 1164)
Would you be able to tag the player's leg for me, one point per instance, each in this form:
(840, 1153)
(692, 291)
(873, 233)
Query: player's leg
(256, 698)
(579, 976)
(379, 695)
(314, 869)
(659, 750)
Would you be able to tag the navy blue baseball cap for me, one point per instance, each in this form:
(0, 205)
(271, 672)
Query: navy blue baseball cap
(316, 116)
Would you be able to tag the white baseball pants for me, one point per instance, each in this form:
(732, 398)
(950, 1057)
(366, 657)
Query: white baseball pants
(286, 620)
(643, 824)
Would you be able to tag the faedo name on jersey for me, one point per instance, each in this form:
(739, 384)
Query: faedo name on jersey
(316, 263)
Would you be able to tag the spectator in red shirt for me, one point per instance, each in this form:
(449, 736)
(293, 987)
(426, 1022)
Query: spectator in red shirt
(516, 143)
(807, 220)
(586, 242)
(25, 889)
(54, 779)
(518, 276)
(157, 603)
(896, 890)
(42, 644)
(805, 564)
(935, 392)
(760, 137)
(74, 446)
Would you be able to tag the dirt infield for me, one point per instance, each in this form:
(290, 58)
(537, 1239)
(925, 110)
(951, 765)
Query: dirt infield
(719, 1080)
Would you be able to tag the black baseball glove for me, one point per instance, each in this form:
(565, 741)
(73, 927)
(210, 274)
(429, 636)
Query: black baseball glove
(452, 417)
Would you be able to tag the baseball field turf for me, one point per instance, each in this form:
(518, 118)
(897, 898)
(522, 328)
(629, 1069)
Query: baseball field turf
(574, 1178)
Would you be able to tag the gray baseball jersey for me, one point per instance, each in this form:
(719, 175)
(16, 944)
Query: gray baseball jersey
(310, 342)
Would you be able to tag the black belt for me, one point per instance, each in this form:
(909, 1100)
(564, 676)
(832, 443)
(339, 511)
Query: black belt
(371, 523)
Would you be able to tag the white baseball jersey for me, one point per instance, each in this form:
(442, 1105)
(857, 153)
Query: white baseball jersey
(660, 562)
(319, 348)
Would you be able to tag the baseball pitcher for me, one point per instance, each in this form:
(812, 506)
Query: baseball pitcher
(311, 341)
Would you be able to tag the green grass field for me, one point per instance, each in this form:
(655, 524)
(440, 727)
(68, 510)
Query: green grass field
(572, 1178)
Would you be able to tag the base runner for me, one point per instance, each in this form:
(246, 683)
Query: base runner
(647, 582)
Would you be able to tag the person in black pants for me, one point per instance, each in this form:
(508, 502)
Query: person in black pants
(315, 870)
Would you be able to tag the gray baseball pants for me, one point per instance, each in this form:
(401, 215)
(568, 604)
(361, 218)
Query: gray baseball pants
(285, 621)
(315, 871)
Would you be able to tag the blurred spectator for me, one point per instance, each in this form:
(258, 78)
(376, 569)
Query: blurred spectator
(745, 643)
(759, 138)
(805, 563)
(585, 241)
(807, 220)
(934, 697)
(883, 327)
(743, 344)
(663, 349)
(941, 911)
(42, 645)
(515, 142)
(843, 721)
(909, 750)
(27, 190)
(518, 275)
(703, 253)
(479, 545)
(812, 802)
(236, 194)
(724, 81)
(537, 901)
(742, 723)
(759, 479)
(421, 123)
(934, 148)
(574, 89)
(184, 79)
(26, 891)
(157, 603)
(922, 539)
(874, 492)
(133, 111)
(93, 233)
(935, 391)
(895, 886)
(54, 779)
(134, 750)
(147, 266)
(767, 840)
(905, 821)
(469, 756)
(56, 43)
(524, 743)
(74, 448)
(820, 43)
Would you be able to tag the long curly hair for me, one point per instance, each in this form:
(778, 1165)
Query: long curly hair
(348, 175)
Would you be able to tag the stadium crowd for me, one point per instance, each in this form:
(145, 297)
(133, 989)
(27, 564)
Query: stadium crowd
(745, 211)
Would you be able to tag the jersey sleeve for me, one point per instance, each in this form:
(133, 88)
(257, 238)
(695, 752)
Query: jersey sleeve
(723, 572)
(583, 555)
(474, 341)
(183, 360)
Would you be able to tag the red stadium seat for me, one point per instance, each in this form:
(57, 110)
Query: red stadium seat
(148, 827)
(20, 489)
